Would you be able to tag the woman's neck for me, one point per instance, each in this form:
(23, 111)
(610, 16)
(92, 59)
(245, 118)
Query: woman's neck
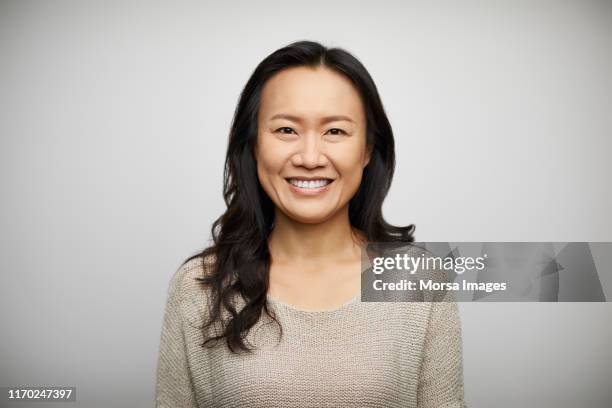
(291, 240)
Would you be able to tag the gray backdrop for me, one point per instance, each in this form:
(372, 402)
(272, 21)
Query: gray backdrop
(114, 126)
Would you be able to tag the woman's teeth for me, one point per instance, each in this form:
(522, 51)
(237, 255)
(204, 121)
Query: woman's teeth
(309, 183)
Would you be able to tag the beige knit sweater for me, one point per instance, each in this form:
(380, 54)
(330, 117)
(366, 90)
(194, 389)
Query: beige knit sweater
(362, 354)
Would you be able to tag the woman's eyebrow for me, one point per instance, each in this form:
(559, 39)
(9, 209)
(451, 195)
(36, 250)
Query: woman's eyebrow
(326, 119)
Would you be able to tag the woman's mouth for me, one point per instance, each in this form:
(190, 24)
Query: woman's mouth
(310, 186)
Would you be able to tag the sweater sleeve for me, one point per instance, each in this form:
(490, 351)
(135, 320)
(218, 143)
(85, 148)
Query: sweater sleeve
(174, 383)
(441, 375)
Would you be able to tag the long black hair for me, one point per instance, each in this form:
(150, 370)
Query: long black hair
(238, 262)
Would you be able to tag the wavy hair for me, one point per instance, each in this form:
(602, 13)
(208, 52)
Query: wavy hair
(239, 254)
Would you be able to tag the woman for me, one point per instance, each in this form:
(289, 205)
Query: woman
(269, 315)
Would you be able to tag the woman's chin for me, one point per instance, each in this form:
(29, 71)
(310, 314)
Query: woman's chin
(307, 217)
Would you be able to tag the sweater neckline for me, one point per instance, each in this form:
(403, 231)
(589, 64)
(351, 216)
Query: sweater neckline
(347, 305)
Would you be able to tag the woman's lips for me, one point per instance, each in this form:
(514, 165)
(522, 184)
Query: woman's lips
(309, 187)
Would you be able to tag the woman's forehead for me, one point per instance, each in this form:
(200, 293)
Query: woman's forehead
(311, 94)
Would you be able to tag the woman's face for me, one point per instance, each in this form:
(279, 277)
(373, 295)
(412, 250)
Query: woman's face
(311, 142)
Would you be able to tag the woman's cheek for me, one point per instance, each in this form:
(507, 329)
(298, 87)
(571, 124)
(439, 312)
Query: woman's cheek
(352, 178)
(263, 172)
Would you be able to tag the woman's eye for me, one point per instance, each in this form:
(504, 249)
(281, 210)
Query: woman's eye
(283, 129)
(336, 131)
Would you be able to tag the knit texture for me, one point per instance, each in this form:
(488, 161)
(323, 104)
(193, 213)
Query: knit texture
(362, 354)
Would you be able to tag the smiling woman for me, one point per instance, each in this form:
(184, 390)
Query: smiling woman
(311, 143)
(269, 315)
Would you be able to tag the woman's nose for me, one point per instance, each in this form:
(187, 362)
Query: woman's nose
(309, 154)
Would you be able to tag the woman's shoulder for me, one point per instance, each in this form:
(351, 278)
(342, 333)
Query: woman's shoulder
(191, 270)
(188, 290)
